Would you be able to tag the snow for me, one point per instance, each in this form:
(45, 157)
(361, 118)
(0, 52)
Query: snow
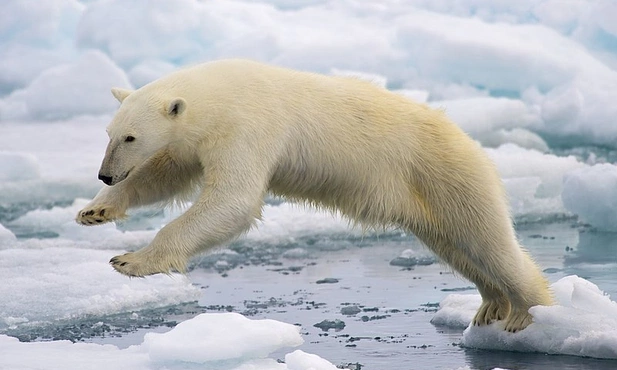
(15, 166)
(82, 91)
(299, 360)
(251, 339)
(533, 179)
(582, 323)
(46, 272)
(543, 84)
(555, 66)
(546, 75)
(217, 341)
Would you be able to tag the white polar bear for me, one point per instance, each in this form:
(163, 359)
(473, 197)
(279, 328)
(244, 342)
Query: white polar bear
(234, 130)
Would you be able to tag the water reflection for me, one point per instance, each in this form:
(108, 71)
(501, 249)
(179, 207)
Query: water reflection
(483, 359)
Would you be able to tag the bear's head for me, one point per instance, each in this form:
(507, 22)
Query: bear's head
(143, 126)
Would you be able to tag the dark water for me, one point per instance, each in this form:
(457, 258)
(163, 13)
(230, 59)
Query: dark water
(356, 308)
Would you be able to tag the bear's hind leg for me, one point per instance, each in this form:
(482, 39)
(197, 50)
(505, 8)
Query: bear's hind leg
(532, 290)
(495, 305)
(513, 272)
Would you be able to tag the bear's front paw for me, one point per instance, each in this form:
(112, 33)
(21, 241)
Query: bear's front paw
(97, 215)
(138, 265)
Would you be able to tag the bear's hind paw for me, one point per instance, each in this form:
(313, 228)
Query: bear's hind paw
(518, 320)
(490, 311)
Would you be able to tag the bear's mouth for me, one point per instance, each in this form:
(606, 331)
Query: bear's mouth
(122, 176)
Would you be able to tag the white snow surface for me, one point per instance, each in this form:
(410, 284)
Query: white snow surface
(39, 285)
(546, 76)
(551, 69)
(216, 341)
(583, 322)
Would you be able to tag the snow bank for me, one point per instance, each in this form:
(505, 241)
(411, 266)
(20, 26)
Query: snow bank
(225, 341)
(547, 69)
(480, 115)
(547, 75)
(582, 323)
(67, 90)
(35, 36)
(533, 179)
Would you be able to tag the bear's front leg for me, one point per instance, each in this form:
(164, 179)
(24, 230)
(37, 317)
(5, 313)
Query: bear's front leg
(223, 211)
(165, 254)
(108, 205)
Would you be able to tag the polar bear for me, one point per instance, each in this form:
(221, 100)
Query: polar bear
(234, 130)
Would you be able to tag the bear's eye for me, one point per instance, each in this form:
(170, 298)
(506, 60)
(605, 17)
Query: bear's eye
(129, 139)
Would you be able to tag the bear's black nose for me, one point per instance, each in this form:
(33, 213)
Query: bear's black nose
(105, 179)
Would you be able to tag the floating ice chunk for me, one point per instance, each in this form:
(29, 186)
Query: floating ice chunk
(518, 136)
(562, 106)
(300, 360)
(533, 179)
(211, 338)
(457, 310)
(223, 341)
(68, 90)
(481, 115)
(591, 193)
(410, 258)
(35, 38)
(582, 323)
(148, 71)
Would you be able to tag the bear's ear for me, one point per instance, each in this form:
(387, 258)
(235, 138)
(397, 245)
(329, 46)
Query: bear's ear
(120, 93)
(176, 107)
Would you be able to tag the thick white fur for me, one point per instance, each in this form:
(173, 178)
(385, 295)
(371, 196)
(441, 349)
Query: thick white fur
(245, 129)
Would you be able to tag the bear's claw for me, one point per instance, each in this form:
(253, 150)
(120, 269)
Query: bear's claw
(96, 215)
(138, 264)
(515, 319)
(518, 320)
(490, 311)
(124, 267)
